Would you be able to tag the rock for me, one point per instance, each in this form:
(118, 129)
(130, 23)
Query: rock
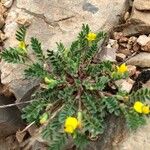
(146, 48)
(123, 39)
(7, 3)
(125, 84)
(52, 22)
(136, 47)
(108, 54)
(131, 70)
(117, 35)
(138, 23)
(112, 44)
(10, 118)
(8, 142)
(138, 140)
(125, 51)
(2, 21)
(142, 60)
(142, 4)
(142, 40)
(132, 40)
(12, 75)
(120, 56)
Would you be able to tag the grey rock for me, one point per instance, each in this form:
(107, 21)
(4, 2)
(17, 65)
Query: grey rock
(10, 120)
(142, 60)
(108, 54)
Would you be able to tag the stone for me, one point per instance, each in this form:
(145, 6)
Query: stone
(146, 48)
(10, 118)
(123, 39)
(143, 39)
(125, 84)
(142, 60)
(138, 140)
(132, 40)
(136, 47)
(51, 22)
(117, 35)
(131, 70)
(108, 54)
(7, 3)
(120, 57)
(125, 51)
(142, 5)
(112, 44)
(138, 23)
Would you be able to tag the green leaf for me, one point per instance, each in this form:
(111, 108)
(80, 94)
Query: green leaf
(12, 56)
(134, 120)
(99, 85)
(140, 95)
(89, 102)
(21, 33)
(32, 112)
(81, 141)
(58, 142)
(67, 111)
(36, 46)
(50, 131)
(112, 105)
(35, 70)
(93, 125)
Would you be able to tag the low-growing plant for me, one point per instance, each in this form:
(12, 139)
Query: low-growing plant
(76, 94)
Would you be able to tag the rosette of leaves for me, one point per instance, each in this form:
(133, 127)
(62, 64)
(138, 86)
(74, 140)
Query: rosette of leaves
(73, 83)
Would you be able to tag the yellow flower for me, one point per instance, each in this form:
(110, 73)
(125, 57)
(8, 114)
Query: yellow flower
(71, 124)
(91, 36)
(138, 106)
(22, 45)
(122, 69)
(145, 110)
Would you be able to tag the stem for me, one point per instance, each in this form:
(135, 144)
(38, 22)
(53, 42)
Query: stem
(15, 104)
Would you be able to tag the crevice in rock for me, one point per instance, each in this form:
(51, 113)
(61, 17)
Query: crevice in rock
(42, 16)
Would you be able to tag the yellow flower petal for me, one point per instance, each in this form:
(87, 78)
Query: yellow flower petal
(91, 36)
(138, 106)
(145, 110)
(122, 69)
(22, 45)
(69, 129)
(71, 121)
